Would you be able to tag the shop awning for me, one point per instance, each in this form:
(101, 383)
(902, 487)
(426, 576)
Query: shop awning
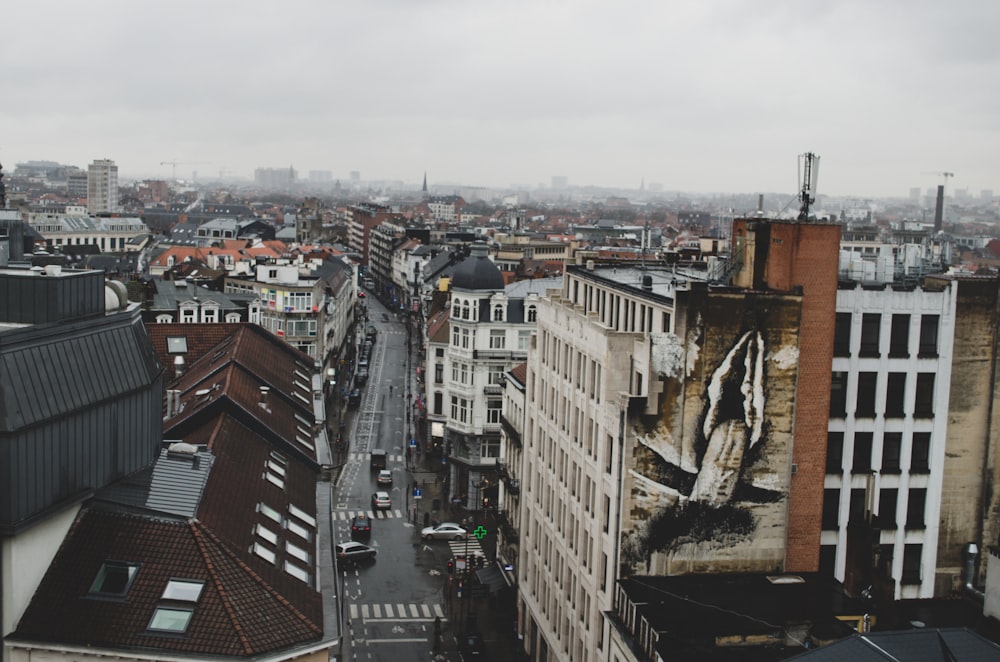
(491, 576)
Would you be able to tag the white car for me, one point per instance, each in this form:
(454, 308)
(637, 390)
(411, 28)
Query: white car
(444, 531)
(381, 501)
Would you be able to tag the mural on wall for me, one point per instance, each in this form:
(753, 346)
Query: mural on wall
(708, 472)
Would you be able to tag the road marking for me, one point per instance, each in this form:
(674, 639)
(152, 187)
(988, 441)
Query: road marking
(377, 611)
(364, 611)
(426, 611)
(354, 611)
(388, 611)
(418, 640)
(414, 613)
(438, 612)
(401, 609)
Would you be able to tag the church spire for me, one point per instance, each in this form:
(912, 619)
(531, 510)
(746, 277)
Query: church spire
(425, 183)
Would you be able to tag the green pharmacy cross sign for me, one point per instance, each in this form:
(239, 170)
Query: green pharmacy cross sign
(480, 532)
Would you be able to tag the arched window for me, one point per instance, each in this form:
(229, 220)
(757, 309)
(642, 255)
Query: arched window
(465, 310)
(532, 314)
(498, 313)
(456, 311)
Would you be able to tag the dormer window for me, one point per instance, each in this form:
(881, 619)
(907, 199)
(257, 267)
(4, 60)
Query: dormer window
(497, 313)
(532, 314)
(114, 579)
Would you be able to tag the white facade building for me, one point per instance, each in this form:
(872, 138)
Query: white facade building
(110, 235)
(888, 425)
(102, 187)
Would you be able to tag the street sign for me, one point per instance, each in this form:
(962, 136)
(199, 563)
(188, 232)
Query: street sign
(413, 443)
(418, 493)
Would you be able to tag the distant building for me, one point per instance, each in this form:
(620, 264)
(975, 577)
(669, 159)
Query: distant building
(102, 187)
(275, 178)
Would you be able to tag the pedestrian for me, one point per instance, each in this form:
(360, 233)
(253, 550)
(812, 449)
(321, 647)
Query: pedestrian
(390, 390)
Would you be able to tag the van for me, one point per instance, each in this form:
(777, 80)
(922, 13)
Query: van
(377, 460)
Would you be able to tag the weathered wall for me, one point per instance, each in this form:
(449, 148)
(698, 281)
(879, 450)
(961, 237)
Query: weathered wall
(708, 476)
(970, 505)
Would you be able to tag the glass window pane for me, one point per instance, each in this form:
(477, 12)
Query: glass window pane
(183, 589)
(171, 620)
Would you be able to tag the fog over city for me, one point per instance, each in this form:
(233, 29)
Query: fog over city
(693, 96)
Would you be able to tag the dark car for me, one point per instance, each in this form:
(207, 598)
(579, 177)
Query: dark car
(354, 399)
(471, 643)
(352, 552)
(361, 527)
(361, 377)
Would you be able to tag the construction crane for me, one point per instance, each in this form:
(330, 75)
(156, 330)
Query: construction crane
(809, 176)
(174, 165)
(946, 175)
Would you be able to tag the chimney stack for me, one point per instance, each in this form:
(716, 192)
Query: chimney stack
(939, 209)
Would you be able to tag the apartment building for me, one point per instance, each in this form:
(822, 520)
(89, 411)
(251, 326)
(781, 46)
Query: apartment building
(666, 428)
(108, 234)
(102, 187)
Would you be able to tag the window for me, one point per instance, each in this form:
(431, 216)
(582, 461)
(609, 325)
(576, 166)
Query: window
(920, 451)
(865, 404)
(916, 500)
(857, 506)
(296, 572)
(899, 337)
(911, 564)
(183, 590)
(498, 339)
(838, 395)
(438, 403)
(928, 336)
(842, 335)
(497, 313)
(895, 391)
(887, 500)
(923, 406)
(834, 452)
(523, 340)
(870, 325)
(177, 345)
(862, 453)
(171, 619)
(831, 510)
(114, 578)
(828, 560)
(493, 408)
(532, 314)
(892, 442)
(269, 512)
(438, 373)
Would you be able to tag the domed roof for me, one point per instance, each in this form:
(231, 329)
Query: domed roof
(477, 272)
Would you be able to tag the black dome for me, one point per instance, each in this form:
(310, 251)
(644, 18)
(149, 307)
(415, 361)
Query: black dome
(477, 272)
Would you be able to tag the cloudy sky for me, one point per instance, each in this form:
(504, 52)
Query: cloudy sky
(699, 96)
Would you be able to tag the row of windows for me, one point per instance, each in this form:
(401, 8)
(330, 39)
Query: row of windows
(566, 360)
(870, 344)
(912, 561)
(898, 402)
(887, 509)
(616, 311)
(891, 453)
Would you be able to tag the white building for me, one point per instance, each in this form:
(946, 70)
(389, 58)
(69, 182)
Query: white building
(888, 425)
(109, 234)
(102, 187)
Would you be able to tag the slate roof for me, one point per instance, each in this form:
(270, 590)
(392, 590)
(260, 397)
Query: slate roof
(478, 272)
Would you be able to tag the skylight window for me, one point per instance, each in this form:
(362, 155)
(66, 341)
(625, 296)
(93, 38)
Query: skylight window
(114, 578)
(296, 572)
(299, 530)
(276, 468)
(171, 619)
(269, 512)
(267, 534)
(297, 552)
(275, 480)
(264, 553)
(183, 590)
(302, 515)
(177, 345)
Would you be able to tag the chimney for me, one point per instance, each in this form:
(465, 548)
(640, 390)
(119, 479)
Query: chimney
(178, 366)
(264, 390)
(939, 209)
(647, 283)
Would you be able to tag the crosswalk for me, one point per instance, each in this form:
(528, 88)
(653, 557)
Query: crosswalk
(348, 515)
(359, 457)
(397, 612)
(468, 548)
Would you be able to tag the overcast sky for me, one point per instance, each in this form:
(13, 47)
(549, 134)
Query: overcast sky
(699, 96)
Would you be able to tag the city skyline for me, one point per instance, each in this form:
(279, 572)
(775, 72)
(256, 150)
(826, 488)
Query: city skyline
(713, 97)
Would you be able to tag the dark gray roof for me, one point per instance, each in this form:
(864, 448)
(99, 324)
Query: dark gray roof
(945, 645)
(173, 485)
(478, 272)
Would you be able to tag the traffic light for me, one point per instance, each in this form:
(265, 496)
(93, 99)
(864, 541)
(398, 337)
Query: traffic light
(451, 566)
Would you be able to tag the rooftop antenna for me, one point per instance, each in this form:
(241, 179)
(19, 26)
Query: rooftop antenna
(808, 177)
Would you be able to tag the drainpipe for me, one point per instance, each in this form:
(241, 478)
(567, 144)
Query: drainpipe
(969, 572)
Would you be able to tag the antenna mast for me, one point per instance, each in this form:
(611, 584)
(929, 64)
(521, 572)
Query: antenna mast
(808, 177)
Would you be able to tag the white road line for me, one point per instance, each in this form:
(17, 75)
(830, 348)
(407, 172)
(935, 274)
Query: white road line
(414, 613)
(398, 513)
(377, 611)
(364, 611)
(418, 640)
(388, 611)
(426, 611)
(354, 611)
(401, 610)
(438, 611)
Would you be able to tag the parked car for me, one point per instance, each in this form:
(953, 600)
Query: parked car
(381, 501)
(354, 399)
(384, 477)
(352, 552)
(361, 527)
(444, 531)
(360, 377)
(471, 643)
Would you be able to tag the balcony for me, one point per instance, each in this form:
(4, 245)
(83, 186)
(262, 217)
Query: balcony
(507, 527)
(493, 389)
